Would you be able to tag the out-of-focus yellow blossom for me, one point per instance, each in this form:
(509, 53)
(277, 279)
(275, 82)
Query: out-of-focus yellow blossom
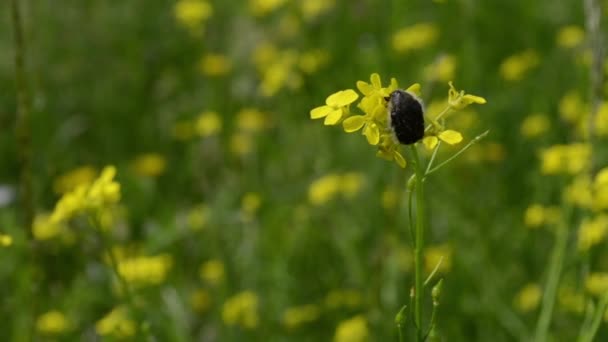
(183, 130)
(241, 309)
(289, 26)
(212, 272)
(193, 13)
(313, 8)
(198, 216)
(5, 240)
(537, 215)
(535, 125)
(390, 199)
(149, 165)
(264, 55)
(263, 7)
(44, 228)
(351, 184)
(579, 192)
(569, 159)
(279, 73)
(415, 37)
(597, 283)
(570, 36)
(592, 232)
(200, 300)
(571, 300)
(352, 330)
(528, 298)
(324, 189)
(336, 106)
(215, 64)
(208, 124)
(571, 107)
(252, 120)
(442, 69)
(434, 254)
(52, 323)
(241, 144)
(250, 203)
(459, 100)
(337, 299)
(103, 192)
(145, 270)
(601, 120)
(600, 188)
(116, 323)
(313, 60)
(300, 315)
(70, 180)
(515, 67)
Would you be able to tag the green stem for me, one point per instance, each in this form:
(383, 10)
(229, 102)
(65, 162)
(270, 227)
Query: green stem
(589, 334)
(461, 151)
(419, 246)
(549, 294)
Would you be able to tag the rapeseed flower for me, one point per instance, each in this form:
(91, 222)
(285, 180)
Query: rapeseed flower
(52, 322)
(569, 159)
(212, 272)
(597, 283)
(352, 330)
(343, 298)
(442, 69)
(264, 7)
(5, 240)
(208, 123)
(570, 36)
(193, 13)
(241, 309)
(515, 67)
(297, 316)
(535, 125)
(149, 165)
(116, 323)
(528, 298)
(415, 37)
(215, 64)
(145, 270)
(592, 232)
(336, 106)
(433, 255)
(70, 180)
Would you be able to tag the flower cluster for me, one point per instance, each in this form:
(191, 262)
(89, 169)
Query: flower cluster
(374, 123)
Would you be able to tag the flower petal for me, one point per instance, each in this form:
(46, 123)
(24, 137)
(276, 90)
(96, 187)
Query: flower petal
(473, 99)
(372, 133)
(320, 112)
(376, 83)
(342, 98)
(364, 87)
(333, 117)
(430, 142)
(399, 159)
(415, 89)
(451, 137)
(394, 85)
(353, 123)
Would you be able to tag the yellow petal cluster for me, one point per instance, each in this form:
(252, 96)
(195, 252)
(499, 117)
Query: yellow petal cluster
(241, 309)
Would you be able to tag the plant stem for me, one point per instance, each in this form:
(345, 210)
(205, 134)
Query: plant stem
(549, 293)
(589, 334)
(419, 246)
(22, 126)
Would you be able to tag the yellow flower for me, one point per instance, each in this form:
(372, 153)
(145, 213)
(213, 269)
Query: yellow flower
(198, 216)
(388, 149)
(536, 215)
(250, 203)
(442, 69)
(215, 64)
(192, 13)
(104, 191)
(312, 61)
(579, 192)
(117, 323)
(44, 228)
(515, 67)
(415, 37)
(297, 316)
(528, 298)
(252, 120)
(5, 240)
(352, 330)
(145, 270)
(336, 106)
(434, 254)
(278, 72)
(208, 124)
(571, 107)
(212, 272)
(70, 180)
(241, 309)
(459, 100)
(241, 144)
(313, 8)
(571, 300)
(449, 136)
(592, 232)
(597, 283)
(601, 120)
(324, 189)
(569, 159)
(337, 299)
(52, 323)
(263, 7)
(535, 125)
(390, 198)
(149, 165)
(351, 184)
(570, 36)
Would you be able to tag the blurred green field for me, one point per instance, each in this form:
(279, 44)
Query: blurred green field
(241, 219)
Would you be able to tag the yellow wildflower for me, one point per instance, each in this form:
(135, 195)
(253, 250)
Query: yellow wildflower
(569, 159)
(537, 215)
(241, 144)
(311, 61)
(279, 73)
(415, 37)
(313, 8)
(459, 100)
(592, 232)
(215, 64)
(571, 300)
(117, 323)
(601, 120)
(570, 36)
(336, 106)
(192, 13)
(528, 298)
(535, 125)
(343, 298)
(434, 254)
(44, 228)
(449, 136)
(198, 216)
(351, 184)
(572, 108)
(297, 316)
(516, 66)
(597, 283)
(442, 69)
(390, 198)
(250, 203)
(149, 165)
(70, 180)
(52, 323)
(212, 272)
(579, 192)
(5, 240)
(324, 189)
(241, 309)
(207, 124)
(263, 7)
(352, 330)
(145, 270)
(252, 120)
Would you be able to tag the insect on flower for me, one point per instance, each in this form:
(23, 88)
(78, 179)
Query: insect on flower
(405, 116)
